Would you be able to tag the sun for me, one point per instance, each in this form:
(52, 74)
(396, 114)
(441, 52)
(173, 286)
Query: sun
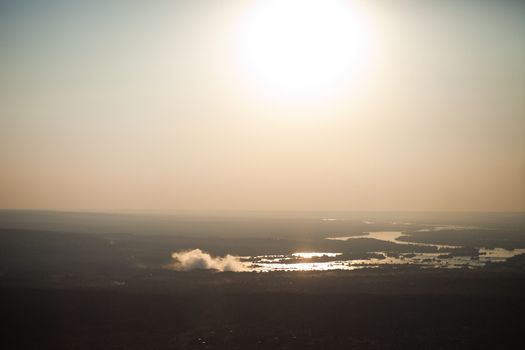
(303, 47)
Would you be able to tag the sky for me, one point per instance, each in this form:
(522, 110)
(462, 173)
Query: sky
(251, 105)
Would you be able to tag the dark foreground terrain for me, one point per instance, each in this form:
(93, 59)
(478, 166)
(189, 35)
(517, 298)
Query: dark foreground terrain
(85, 281)
(431, 309)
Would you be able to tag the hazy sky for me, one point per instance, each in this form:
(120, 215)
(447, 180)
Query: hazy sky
(162, 105)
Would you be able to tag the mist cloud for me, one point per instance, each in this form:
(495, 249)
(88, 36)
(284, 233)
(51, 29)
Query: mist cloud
(197, 259)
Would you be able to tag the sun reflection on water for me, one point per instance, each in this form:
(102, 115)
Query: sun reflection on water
(309, 255)
(327, 261)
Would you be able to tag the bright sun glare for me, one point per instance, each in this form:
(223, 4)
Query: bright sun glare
(303, 47)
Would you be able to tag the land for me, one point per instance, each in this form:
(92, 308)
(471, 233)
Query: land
(113, 288)
(432, 309)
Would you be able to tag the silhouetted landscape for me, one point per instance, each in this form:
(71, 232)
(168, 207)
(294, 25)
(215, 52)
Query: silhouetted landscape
(112, 283)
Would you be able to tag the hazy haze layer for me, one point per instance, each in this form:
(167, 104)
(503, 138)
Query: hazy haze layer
(143, 105)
